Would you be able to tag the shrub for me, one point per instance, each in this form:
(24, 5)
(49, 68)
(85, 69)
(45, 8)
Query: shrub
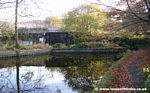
(95, 44)
(103, 44)
(9, 47)
(86, 45)
(134, 42)
(79, 45)
(39, 46)
(59, 45)
(100, 44)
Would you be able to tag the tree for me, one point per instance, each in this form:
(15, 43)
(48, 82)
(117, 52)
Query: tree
(54, 22)
(136, 15)
(16, 24)
(18, 11)
(140, 9)
(6, 4)
(17, 3)
(6, 30)
(85, 19)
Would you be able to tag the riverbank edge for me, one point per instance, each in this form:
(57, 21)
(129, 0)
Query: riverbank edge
(21, 53)
(34, 52)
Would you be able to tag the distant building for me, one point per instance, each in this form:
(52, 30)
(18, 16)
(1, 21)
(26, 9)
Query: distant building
(32, 32)
(31, 36)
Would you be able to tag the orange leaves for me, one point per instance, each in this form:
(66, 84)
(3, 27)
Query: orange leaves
(121, 76)
(146, 60)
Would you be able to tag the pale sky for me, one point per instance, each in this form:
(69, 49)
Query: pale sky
(40, 9)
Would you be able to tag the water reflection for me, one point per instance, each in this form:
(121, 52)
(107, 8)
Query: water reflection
(85, 77)
(52, 74)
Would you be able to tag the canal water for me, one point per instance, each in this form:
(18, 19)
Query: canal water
(49, 74)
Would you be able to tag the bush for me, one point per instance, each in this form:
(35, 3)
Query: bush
(103, 44)
(59, 45)
(35, 46)
(79, 45)
(133, 43)
(10, 47)
(95, 44)
(38, 46)
(118, 56)
(21, 46)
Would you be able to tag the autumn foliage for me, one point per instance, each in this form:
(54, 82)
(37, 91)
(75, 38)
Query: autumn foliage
(121, 77)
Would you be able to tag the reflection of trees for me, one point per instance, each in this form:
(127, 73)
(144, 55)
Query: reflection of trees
(24, 83)
(31, 60)
(29, 85)
(63, 61)
(17, 77)
(6, 83)
(27, 82)
(81, 73)
(86, 76)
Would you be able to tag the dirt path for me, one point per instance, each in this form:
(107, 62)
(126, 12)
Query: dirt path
(125, 75)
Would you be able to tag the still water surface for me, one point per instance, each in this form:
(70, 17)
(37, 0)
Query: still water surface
(47, 74)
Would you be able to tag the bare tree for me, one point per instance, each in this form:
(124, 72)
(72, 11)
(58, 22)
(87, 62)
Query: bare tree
(6, 4)
(140, 9)
(16, 22)
(135, 16)
(17, 5)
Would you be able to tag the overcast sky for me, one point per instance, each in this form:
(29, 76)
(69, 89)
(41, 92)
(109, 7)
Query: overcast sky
(39, 9)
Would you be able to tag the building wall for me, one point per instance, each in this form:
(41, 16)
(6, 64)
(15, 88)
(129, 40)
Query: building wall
(57, 37)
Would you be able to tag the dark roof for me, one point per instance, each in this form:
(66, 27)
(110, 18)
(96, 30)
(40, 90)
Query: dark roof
(38, 30)
(57, 32)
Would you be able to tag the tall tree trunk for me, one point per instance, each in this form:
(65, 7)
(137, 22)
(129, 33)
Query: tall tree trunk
(16, 24)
